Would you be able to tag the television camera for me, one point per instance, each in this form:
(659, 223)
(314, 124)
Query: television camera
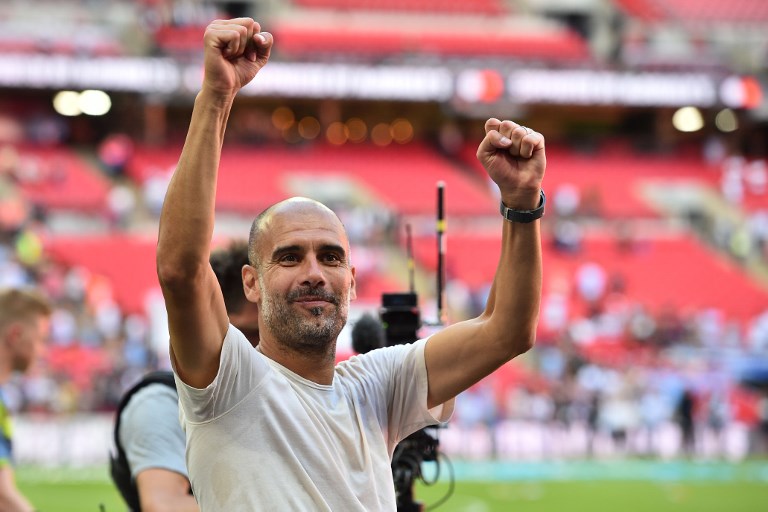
(400, 319)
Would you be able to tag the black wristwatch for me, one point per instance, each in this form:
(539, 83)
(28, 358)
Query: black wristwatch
(524, 216)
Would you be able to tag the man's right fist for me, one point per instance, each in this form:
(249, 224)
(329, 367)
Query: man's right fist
(235, 50)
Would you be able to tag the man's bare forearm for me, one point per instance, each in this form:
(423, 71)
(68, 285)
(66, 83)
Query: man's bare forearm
(516, 291)
(187, 219)
(234, 52)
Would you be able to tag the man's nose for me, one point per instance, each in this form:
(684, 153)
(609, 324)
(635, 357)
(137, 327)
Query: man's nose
(314, 274)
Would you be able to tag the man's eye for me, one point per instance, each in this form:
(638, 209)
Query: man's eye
(289, 258)
(331, 258)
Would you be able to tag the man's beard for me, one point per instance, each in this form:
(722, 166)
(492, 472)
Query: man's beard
(294, 331)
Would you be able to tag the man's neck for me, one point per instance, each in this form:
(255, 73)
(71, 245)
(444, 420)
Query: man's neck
(316, 367)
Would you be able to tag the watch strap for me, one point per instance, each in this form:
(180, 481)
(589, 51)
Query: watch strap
(524, 216)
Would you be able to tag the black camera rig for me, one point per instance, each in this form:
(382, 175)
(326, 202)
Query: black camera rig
(401, 319)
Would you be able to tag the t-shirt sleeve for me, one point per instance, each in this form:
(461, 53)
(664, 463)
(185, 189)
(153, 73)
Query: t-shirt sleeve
(410, 386)
(241, 369)
(400, 374)
(150, 432)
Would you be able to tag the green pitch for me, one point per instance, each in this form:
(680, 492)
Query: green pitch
(598, 496)
(723, 487)
(69, 489)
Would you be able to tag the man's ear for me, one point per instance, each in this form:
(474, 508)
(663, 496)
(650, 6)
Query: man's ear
(352, 289)
(251, 284)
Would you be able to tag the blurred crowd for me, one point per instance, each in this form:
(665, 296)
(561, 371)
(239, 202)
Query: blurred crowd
(605, 364)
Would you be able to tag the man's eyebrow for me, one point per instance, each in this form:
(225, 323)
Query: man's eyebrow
(289, 249)
(333, 248)
(286, 249)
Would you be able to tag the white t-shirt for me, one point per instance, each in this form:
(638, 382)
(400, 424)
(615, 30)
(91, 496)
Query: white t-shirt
(260, 437)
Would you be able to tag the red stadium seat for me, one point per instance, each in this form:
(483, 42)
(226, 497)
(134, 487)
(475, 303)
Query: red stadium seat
(489, 7)
(128, 263)
(691, 11)
(372, 41)
(62, 180)
(402, 178)
(670, 271)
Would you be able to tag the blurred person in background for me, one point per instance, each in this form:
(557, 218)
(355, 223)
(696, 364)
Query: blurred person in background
(283, 427)
(24, 326)
(148, 466)
(684, 414)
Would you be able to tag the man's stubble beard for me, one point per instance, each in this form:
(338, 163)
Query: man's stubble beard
(296, 332)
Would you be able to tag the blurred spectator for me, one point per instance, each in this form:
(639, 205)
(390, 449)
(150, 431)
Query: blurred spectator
(9, 160)
(619, 417)
(758, 228)
(122, 204)
(591, 284)
(114, 152)
(625, 237)
(669, 327)
(757, 333)
(592, 203)
(756, 178)
(24, 329)
(567, 236)
(63, 326)
(555, 309)
(11, 130)
(714, 150)
(154, 189)
(731, 183)
(684, 414)
(594, 411)
(29, 248)
(566, 200)
(718, 417)
(763, 424)
(653, 414)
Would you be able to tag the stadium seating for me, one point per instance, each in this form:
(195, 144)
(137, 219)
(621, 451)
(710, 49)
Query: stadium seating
(552, 44)
(646, 10)
(677, 271)
(374, 29)
(128, 263)
(555, 44)
(691, 11)
(179, 39)
(489, 7)
(402, 178)
(613, 177)
(57, 178)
